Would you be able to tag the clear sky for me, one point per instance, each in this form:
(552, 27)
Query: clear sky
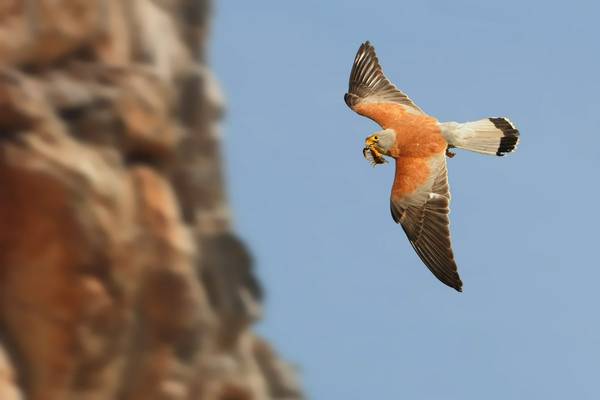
(348, 299)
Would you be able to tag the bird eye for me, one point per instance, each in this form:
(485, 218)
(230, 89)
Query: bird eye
(376, 137)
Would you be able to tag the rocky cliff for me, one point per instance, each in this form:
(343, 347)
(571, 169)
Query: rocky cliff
(120, 277)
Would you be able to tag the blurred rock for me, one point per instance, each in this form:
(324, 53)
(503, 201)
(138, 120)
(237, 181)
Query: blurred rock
(120, 276)
(8, 383)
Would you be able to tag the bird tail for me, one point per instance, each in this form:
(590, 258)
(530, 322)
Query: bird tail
(493, 136)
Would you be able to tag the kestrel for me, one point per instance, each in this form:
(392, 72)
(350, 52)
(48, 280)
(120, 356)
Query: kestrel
(419, 143)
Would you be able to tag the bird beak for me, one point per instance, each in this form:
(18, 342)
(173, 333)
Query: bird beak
(369, 142)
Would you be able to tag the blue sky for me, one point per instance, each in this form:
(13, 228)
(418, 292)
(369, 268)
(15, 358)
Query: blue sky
(347, 299)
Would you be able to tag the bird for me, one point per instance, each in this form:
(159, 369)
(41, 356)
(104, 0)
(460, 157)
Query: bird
(420, 145)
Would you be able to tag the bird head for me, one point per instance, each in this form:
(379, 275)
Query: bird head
(379, 144)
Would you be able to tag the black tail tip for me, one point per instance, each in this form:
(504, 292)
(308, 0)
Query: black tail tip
(507, 145)
(511, 135)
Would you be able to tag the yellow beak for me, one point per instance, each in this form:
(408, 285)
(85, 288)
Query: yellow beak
(372, 152)
(369, 142)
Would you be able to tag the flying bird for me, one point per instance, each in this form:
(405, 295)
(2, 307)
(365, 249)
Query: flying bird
(419, 144)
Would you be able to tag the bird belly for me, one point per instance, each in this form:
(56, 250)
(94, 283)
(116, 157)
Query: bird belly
(418, 141)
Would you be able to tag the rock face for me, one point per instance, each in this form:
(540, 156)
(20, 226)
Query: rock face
(120, 277)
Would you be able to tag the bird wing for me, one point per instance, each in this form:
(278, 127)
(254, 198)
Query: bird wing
(371, 94)
(423, 214)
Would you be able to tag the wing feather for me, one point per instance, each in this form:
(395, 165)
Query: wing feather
(424, 218)
(368, 84)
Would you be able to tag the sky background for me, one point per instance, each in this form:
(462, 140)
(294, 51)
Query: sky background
(348, 300)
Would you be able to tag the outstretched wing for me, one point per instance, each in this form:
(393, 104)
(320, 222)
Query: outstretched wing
(423, 215)
(370, 93)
